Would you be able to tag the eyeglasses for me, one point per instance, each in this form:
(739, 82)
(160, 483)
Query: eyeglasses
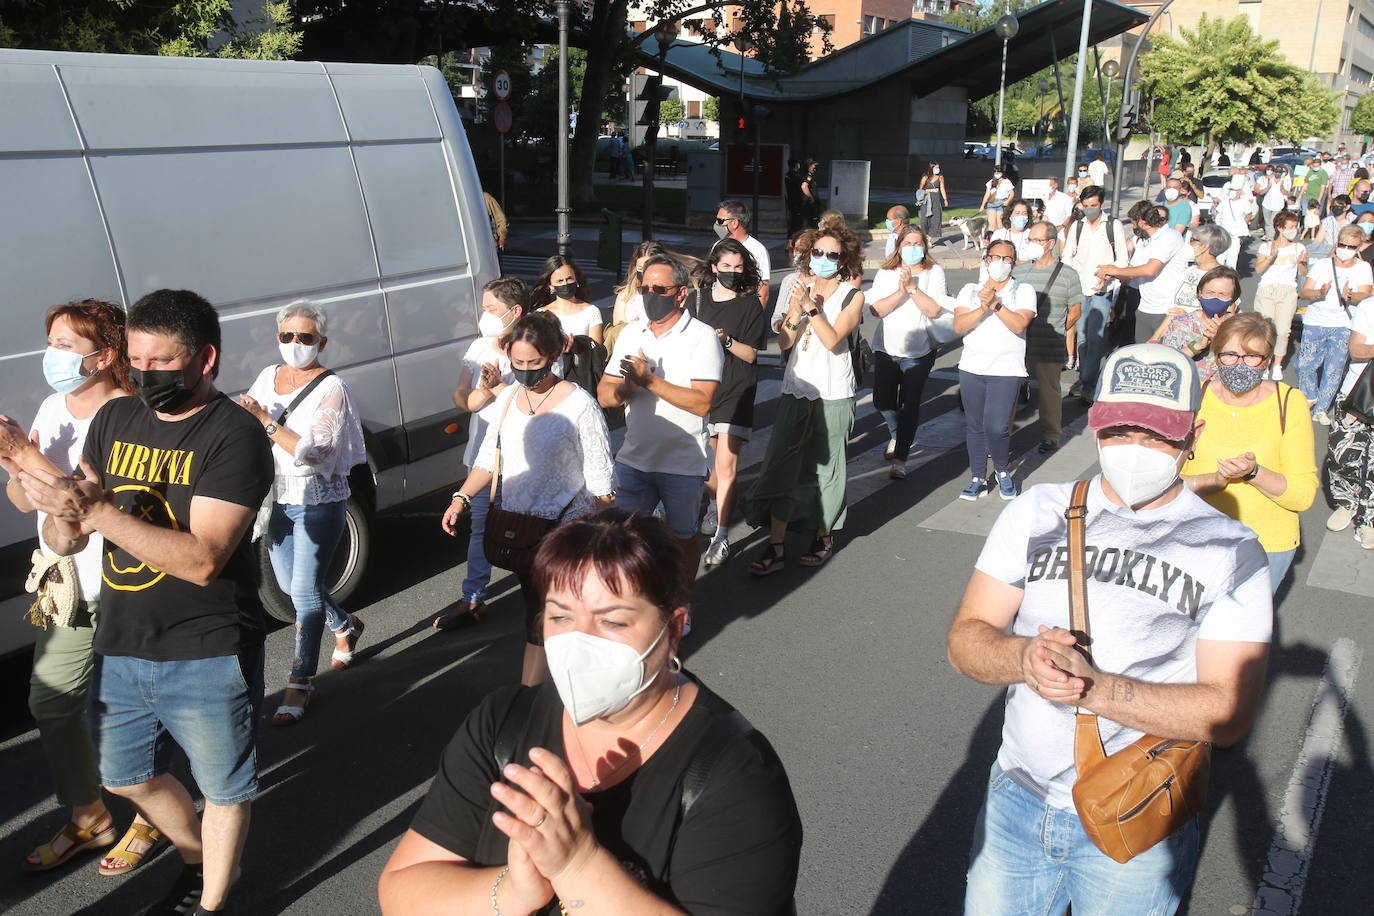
(722, 220)
(1008, 258)
(830, 255)
(662, 290)
(304, 339)
(1230, 358)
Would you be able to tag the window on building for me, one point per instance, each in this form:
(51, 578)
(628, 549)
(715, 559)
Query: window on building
(1366, 27)
(693, 109)
(1360, 75)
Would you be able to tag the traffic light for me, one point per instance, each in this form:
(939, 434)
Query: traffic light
(741, 123)
(1130, 115)
(652, 92)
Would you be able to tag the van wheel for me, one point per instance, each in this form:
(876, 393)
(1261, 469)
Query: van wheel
(345, 570)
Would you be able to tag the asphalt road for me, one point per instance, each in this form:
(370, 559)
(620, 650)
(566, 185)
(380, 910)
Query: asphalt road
(843, 668)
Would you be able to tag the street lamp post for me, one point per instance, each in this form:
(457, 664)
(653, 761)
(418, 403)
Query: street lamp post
(744, 46)
(1044, 87)
(665, 33)
(1006, 29)
(564, 207)
(1110, 68)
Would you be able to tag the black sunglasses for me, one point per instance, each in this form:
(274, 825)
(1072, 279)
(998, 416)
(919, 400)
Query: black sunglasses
(658, 290)
(722, 220)
(304, 338)
(831, 255)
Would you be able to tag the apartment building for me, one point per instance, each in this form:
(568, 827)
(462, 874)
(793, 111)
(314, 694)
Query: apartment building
(1333, 39)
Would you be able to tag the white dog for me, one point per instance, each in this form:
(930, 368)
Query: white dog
(974, 229)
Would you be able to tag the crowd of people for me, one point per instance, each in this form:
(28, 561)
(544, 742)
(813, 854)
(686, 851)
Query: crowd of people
(149, 486)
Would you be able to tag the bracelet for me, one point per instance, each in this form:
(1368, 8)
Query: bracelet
(495, 886)
(467, 500)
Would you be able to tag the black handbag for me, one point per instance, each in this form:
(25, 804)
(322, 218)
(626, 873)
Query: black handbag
(1359, 401)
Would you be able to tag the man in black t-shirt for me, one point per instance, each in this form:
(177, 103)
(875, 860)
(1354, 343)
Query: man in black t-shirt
(173, 479)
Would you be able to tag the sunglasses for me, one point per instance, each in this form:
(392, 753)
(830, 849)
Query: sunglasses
(304, 339)
(722, 220)
(661, 290)
(829, 255)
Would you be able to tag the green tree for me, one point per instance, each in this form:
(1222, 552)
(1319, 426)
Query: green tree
(671, 111)
(710, 109)
(1221, 83)
(1362, 118)
(182, 28)
(985, 13)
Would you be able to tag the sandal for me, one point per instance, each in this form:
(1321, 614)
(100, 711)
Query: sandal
(137, 833)
(97, 836)
(821, 549)
(468, 614)
(773, 558)
(341, 660)
(290, 715)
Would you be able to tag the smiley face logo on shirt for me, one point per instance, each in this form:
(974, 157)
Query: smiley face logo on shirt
(120, 570)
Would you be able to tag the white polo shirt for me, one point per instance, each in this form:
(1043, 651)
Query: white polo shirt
(1167, 247)
(661, 438)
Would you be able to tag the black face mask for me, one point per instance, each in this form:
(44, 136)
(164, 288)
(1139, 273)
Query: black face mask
(162, 390)
(657, 308)
(728, 278)
(1337, 209)
(531, 378)
(565, 290)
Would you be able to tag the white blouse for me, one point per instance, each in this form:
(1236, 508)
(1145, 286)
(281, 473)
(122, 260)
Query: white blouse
(550, 462)
(813, 369)
(331, 440)
(580, 322)
(905, 332)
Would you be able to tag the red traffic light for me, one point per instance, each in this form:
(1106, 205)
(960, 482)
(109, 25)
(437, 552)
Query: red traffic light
(739, 124)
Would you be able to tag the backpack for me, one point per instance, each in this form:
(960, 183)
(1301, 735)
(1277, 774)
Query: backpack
(1111, 235)
(860, 353)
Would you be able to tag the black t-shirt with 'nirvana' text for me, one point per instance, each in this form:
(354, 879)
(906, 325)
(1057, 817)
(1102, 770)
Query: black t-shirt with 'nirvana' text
(154, 468)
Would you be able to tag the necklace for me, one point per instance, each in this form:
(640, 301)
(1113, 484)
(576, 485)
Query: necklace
(582, 752)
(530, 401)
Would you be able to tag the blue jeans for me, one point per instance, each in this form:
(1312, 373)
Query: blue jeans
(207, 706)
(1324, 352)
(680, 494)
(1092, 340)
(301, 542)
(1278, 567)
(898, 382)
(479, 570)
(988, 404)
(1032, 859)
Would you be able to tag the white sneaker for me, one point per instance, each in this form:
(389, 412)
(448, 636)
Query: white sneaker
(1321, 417)
(1277, 374)
(718, 552)
(708, 518)
(1339, 520)
(1365, 535)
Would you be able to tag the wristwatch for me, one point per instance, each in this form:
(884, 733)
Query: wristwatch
(729, 342)
(271, 428)
(1254, 472)
(812, 312)
(997, 306)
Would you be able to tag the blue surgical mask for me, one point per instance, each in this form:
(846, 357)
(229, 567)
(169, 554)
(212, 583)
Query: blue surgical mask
(891, 225)
(913, 254)
(824, 267)
(1018, 222)
(1212, 306)
(1366, 228)
(62, 369)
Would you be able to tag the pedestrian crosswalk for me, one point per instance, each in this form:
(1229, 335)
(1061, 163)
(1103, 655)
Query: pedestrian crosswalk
(527, 267)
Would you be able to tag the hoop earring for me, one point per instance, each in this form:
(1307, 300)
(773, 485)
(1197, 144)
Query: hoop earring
(674, 664)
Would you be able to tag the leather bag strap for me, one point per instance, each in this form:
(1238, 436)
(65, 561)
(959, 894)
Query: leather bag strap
(496, 470)
(1087, 740)
(296, 401)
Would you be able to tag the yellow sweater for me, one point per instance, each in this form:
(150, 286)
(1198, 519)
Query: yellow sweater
(1232, 431)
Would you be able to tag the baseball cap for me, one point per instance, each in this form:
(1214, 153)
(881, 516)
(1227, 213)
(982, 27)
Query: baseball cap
(1147, 385)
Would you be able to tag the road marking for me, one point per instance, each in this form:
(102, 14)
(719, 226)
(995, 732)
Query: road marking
(1290, 856)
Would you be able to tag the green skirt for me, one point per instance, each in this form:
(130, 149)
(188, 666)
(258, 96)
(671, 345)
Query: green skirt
(805, 469)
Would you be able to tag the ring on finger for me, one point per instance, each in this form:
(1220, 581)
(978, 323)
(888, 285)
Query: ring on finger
(541, 821)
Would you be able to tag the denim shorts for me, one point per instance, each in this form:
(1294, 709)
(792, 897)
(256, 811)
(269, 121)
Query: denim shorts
(207, 706)
(680, 494)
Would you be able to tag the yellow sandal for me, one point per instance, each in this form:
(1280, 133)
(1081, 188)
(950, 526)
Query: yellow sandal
(137, 833)
(97, 836)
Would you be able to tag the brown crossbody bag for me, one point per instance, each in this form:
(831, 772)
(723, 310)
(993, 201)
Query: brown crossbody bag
(1131, 800)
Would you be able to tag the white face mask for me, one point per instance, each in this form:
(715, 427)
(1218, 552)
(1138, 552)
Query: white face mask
(1033, 251)
(998, 271)
(596, 676)
(1137, 474)
(1289, 235)
(489, 325)
(298, 355)
(1171, 193)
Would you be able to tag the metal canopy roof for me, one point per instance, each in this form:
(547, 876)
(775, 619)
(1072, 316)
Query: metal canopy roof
(1048, 32)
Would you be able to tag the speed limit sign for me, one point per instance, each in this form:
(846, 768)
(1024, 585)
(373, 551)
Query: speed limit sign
(500, 85)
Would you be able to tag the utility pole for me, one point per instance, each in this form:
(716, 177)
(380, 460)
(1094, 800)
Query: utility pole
(564, 206)
(1071, 154)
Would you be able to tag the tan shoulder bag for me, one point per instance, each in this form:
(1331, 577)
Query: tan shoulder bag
(1131, 800)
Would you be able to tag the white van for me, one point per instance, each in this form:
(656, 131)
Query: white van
(252, 183)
